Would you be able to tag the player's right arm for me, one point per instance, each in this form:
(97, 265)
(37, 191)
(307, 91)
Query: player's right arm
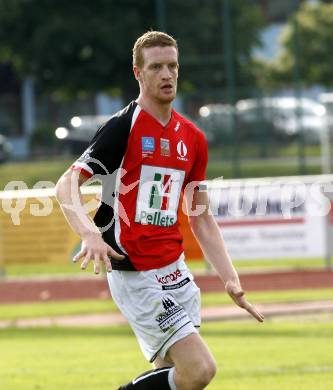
(102, 158)
(93, 246)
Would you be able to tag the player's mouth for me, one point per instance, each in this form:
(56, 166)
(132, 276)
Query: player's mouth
(168, 88)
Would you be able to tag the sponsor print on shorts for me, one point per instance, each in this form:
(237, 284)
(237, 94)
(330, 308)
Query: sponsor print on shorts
(158, 195)
(172, 315)
(172, 277)
(177, 285)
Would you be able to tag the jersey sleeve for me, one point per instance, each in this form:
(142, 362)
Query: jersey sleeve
(107, 148)
(198, 171)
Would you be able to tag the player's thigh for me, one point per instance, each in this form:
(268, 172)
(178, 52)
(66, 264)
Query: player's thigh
(191, 356)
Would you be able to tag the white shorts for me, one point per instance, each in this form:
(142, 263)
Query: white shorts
(161, 305)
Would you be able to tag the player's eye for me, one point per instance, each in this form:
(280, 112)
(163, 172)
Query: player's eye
(156, 66)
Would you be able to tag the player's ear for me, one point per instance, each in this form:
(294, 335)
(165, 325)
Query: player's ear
(137, 73)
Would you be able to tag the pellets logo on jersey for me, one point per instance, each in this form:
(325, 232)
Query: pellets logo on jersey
(182, 151)
(158, 195)
(160, 199)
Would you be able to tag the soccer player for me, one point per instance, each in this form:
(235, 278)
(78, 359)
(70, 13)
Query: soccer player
(147, 156)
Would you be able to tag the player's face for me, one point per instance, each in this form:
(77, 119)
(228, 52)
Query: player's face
(159, 73)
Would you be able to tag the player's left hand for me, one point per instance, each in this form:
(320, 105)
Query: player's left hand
(238, 296)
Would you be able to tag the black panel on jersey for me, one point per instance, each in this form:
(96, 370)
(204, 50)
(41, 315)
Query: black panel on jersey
(104, 156)
(107, 148)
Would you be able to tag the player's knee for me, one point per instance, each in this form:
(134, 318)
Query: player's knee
(205, 373)
(199, 375)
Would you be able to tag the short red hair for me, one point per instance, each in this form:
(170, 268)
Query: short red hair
(151, 39)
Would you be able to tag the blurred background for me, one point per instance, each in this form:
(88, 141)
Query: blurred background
(256, 76)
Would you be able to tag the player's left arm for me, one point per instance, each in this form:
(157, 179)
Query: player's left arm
(210, 239)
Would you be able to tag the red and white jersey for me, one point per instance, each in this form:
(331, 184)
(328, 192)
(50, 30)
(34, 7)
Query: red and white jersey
(144, 168)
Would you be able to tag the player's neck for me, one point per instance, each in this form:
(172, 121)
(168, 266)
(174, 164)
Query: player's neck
(161, 112)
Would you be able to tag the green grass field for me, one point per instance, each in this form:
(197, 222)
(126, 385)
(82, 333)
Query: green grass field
(90, 306)
(286, 353)
(274, 356)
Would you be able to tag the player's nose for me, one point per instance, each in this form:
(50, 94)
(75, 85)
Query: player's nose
(166, 74)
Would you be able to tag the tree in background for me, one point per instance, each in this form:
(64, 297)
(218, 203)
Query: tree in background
(200, 36)
(71, 47)
(308, 35)
(82, 46)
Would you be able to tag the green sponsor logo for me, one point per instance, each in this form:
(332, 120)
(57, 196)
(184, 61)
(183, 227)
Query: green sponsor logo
(155, 199)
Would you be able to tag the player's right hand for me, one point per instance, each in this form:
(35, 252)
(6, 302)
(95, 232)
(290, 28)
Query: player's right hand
(94, 248)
